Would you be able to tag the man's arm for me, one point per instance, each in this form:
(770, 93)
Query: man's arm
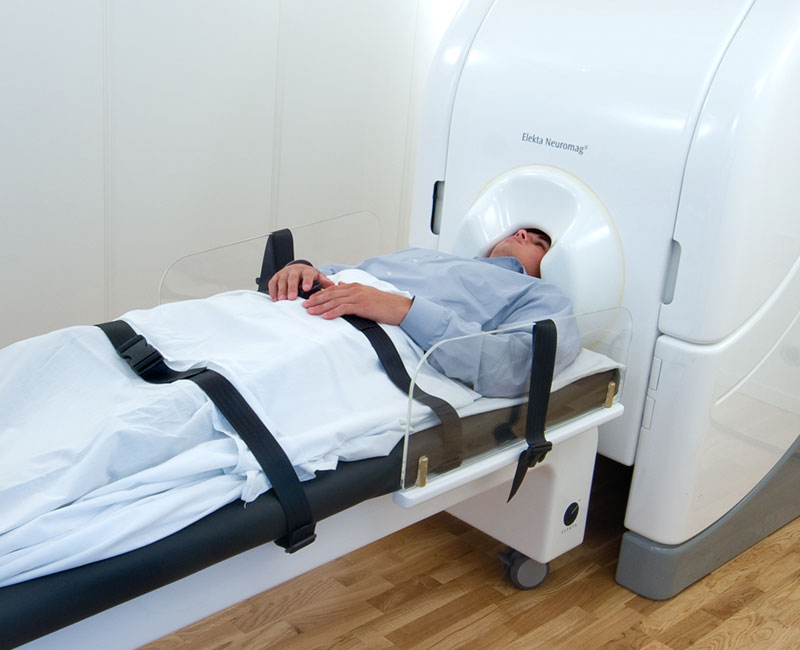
(496, 365)
(359, 300)
(335, 300)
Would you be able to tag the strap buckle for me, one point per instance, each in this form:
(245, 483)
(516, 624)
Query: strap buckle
(140, 355)
(529, 457)
(298, 538)
(535, 453)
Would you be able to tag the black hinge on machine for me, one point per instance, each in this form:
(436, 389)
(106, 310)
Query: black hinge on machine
(279, 251)
(148, 363)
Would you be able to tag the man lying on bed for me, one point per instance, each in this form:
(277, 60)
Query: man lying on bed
(97, 462)
(452, 297)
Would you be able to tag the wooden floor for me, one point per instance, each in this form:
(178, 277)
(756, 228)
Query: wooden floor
(439, 585)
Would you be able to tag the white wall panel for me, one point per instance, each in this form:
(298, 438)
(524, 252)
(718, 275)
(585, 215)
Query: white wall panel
(51, 165)
(346, 79)
(191, 87)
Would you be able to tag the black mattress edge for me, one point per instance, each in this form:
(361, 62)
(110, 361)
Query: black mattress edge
(32, 609)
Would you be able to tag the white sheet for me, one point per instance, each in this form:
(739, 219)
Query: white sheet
(96, 462)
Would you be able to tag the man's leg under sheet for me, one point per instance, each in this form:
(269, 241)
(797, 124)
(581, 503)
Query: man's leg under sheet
(89, 447)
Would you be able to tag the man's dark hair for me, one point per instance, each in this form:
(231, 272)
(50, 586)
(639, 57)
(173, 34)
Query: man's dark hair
(542, 233)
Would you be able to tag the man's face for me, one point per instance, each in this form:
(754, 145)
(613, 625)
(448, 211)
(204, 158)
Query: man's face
(528, 246)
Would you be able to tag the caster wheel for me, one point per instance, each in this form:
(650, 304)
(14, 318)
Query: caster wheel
(523, 572)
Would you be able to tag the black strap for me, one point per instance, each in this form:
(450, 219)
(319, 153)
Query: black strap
(393, 365)
(545, 338)
(280, 246)
(278, 252)
(504, 432)
(148, 364)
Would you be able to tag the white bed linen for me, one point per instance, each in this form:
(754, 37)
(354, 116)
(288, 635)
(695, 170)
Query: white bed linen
(97, 462)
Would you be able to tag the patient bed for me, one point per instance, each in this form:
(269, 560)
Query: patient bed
(77, 593)
(140, 588)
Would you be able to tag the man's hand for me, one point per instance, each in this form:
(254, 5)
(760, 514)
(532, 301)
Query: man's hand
(359, 300)
(283, 285)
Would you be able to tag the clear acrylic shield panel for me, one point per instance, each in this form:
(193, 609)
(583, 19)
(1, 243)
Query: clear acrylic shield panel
(486, 376)
(345, 239)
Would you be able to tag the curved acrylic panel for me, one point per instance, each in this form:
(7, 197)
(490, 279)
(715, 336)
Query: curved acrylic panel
(491, 420)
(346, 239)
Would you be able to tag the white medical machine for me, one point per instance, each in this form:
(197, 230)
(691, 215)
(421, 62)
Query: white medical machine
(657, 144)
(678, 124)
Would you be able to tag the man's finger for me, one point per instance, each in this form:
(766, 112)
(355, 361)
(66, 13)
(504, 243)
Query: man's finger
(298, 275)
(331, 292)
(336, 300)
(283, 284)
(307, 276)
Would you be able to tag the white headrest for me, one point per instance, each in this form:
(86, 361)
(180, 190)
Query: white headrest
(585, 260)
